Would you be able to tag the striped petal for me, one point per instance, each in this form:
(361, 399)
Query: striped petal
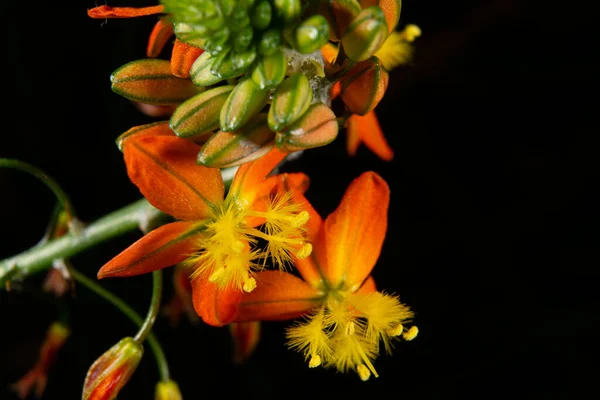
(164, 169)
(278, 296)
(162, 247)
(355, 231)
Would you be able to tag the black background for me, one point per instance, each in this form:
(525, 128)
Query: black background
(492, 229)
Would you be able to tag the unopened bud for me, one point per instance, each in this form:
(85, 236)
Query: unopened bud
(287, 10)
(311, 34)
(364, 85)
(261, 15)
(167, 390)
(366, 34)
(109, 373)
(339, 14)
(290, 100)
(317, 127)
(243, 103)
(200, 72)
(270, 70)
(391, 9)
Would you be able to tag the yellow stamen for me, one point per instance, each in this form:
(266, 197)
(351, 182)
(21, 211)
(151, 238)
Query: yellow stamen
(304, 251)
(249, 285)
(411, 333)
(363, 372)
(350, 329)
(315, 361)
(396, 330)
(410, 32)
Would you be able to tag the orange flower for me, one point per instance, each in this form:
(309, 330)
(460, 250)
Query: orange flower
(347, 318)
(366, 129)
(217, 235)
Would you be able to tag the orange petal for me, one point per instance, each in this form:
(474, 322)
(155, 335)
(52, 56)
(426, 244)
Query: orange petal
(216, 307)
(164, 169)
(162, 247)
(160, 128)
(278, 296)
(245, 184)
(103, 12)
(366, 128)
(368, 286)
(335, 90)
(355, 231)
(182, 58)
(245, 336)
(162, 31)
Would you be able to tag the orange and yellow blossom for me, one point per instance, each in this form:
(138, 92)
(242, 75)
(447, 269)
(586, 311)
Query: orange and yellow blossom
(216, 234)
(347, 319)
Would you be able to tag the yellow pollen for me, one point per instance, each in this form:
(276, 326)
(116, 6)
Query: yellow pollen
(350, 329)
(410, 32)
(237, 246)
(315, 361)
(411, 333)
(300, 219)
(216, 275)
(249, 285)
(363, 372)
(304, 251)
(396, 330)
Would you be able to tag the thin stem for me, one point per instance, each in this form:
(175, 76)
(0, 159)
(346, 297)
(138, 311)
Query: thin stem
(153, 309)
(62, 197)
(159, 355)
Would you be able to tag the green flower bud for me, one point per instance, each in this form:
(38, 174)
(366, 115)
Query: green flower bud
(244, 102)
(239, 19)
(261, 15)
(317, 127)
(287, 10)
(168, 390)
(290, 100)
(311, 34)
(243, 38)
(218, 42)
(269, 42)
(270, 70)
(234, 63)
(228, 149)
(227, 6)
(194, 36)
(366, 34)
(200, 72)
(200, 114)
(150, 81)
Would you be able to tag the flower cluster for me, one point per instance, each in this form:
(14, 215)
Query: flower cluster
(247, 84)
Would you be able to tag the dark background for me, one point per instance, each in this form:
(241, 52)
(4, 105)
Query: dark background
(493, 224)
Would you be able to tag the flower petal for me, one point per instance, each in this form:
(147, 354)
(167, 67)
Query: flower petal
(355, 231)
(216, 307)
(368, 286)
(245, 185)
(278, 296)
(182, 58)
(164, 169)
(366, 128)
(162, 31)
(102, 12)
(162, 247)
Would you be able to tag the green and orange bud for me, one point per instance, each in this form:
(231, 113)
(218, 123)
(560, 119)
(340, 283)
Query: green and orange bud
(290, 100)
(167, 390)
(311, 34)
(245, 337)
(270, 70)
(35, 379)
(339, 14)
(199, 116)
(363, 87)
(317, 127)
(109, 373)
(287, 10)
(200, 72)
(150, 81)
(228, 149)
(243, 103)
(391, 9)
(160, 128)
(365, 34)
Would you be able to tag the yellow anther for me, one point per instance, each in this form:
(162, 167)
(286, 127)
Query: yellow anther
(396, 330)
(238, 246)
(216, 275)
(315, 361)
(350, 329)
(363, 372)
(411, 333)
(300, 219)
(249, 285)
(304, 251)
(410, 32)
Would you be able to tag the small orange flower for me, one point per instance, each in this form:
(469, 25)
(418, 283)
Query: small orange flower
(347, 317)
(217, 235)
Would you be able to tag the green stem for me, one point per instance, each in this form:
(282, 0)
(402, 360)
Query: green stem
(159, 355)
(154, 306)
(37, 259)
(62, 197)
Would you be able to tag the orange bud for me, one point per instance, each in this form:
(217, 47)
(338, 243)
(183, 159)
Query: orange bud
(167, 391)
(364, 85)
(109, 373)
(35, 380)
(245, 336)
(317, 127)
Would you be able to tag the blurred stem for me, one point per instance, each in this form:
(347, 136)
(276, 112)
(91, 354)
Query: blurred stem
(154, 306)
(144, 325)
